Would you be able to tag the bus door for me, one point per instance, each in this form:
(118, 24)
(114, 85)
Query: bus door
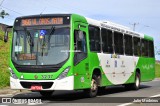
(81, 65)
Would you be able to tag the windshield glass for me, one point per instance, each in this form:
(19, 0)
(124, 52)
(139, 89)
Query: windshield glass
(40, 46)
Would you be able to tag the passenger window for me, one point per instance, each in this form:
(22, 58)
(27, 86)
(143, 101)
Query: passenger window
(107, 40)
(144, 48)
(151, 49)
(94, 38)
(128, 44)
(137, 46)
(118, 43)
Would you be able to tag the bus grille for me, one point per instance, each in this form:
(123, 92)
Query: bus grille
(35, 69)
(45, 85)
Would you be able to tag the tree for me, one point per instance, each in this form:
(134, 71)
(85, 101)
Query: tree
(3, 14)
(157, 50)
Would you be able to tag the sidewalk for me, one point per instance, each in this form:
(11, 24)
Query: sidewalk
(7, 91)
(156, 79)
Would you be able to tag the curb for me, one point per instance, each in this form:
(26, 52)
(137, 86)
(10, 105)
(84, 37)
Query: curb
(156, 79)
(9, 92)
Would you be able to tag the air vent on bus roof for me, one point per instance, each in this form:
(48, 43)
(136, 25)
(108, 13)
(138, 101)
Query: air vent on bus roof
(115, 25)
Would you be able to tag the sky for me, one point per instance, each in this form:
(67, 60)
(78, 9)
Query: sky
(145, 13)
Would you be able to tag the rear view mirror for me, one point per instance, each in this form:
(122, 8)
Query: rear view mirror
(6, 36)
(6, 33)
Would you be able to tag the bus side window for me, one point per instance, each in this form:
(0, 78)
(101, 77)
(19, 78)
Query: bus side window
(107, 40)
(94, 39)
(137, 46)
(144, 48)
(118, 43)
(151, 49)
(128, 44)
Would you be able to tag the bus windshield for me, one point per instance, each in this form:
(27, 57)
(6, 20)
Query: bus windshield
(40, 46)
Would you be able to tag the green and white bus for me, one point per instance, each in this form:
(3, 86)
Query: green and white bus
(71, 52)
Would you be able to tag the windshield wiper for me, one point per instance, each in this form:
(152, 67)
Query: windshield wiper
(31, 43)
(51, 32)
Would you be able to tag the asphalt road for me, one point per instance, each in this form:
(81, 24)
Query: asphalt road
(112, 96)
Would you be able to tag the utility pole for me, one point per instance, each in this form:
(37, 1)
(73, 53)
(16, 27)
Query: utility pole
(134, 25)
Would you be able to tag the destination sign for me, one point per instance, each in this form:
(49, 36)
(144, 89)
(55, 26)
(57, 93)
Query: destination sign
(42, 21)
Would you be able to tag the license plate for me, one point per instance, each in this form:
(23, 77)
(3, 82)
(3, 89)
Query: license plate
(36, 87)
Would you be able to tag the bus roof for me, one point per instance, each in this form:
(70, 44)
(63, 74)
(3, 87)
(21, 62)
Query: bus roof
(115, 27)
(103, 24)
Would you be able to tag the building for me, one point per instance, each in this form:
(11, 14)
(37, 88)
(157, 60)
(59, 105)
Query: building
(3, 27)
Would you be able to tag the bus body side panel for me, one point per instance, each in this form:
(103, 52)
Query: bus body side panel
(96, 63)
(147, 68)
(118, 69)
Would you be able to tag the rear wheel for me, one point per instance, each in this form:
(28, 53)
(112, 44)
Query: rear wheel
(92, 92)
(46, 93)
(135, 85)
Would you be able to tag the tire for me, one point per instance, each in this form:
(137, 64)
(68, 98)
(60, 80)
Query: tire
(46, 93)
(92, 92)
(135, 85)
(101, 90)
(128, 86)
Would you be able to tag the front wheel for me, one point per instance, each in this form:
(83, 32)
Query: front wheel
(46, 93)
(92, 92)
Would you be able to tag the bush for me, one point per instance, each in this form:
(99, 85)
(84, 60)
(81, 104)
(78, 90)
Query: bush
(4, 60)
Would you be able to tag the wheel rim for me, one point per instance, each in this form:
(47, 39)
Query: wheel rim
(93, 86)
(137, 81)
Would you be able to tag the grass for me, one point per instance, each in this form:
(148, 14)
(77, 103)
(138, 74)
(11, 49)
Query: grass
(4, 61)
(157, 69)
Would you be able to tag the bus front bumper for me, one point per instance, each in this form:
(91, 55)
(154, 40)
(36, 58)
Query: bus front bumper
(62, 84)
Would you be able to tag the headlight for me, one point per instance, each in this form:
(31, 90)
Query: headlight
(64, 73)
(13, 75)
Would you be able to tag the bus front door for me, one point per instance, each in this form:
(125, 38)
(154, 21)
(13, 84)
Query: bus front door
(81, 65)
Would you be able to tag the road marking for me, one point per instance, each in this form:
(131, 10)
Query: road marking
(158, 95)
(3, 105)
(126, 104)
(34, 103)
